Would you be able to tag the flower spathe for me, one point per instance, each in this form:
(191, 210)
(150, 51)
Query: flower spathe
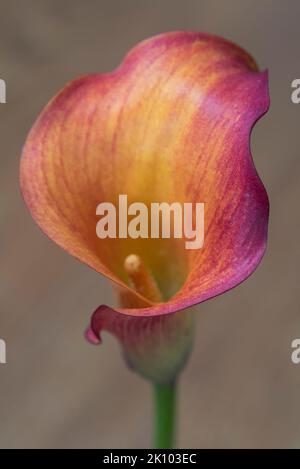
(171, 123)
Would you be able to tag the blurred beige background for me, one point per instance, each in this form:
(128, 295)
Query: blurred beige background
(240, 388)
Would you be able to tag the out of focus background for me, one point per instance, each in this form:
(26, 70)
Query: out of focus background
(240, 388)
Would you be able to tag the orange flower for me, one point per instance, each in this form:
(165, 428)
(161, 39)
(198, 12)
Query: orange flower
(172, 123)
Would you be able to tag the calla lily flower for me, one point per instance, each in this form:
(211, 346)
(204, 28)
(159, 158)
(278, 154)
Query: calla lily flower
(171, 123)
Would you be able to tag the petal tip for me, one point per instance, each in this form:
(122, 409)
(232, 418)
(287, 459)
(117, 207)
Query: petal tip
(91, 337)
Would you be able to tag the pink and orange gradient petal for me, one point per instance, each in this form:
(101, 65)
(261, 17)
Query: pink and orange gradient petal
(172, 123)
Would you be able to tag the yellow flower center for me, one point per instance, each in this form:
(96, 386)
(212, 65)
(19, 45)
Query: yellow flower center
(141, 278)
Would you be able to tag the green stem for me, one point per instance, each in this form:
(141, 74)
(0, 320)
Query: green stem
(165, 409)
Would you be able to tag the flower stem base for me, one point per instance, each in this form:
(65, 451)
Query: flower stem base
(165, 415)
